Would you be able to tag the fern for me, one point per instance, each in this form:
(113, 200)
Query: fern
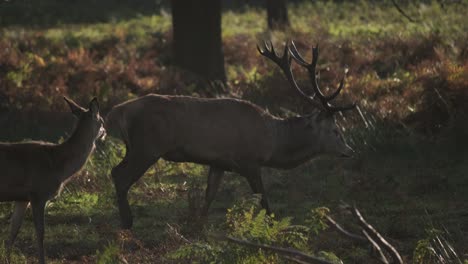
(110, 254)
(316, 220)
(246, 220)
(435, 249)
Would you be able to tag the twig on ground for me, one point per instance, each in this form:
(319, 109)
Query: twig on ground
(284, 252)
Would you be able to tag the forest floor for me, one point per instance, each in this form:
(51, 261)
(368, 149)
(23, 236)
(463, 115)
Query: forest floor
(409, 178)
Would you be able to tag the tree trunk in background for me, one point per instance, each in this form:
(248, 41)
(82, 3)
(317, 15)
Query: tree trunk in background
(277, 13)
(197, 37)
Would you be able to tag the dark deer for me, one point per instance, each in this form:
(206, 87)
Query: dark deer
(225, 134)
(34, 172)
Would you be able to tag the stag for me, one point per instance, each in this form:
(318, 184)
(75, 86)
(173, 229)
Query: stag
(225, 134)
(34, 172)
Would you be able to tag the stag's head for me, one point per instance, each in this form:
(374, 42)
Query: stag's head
(321, 125)
(90, 118)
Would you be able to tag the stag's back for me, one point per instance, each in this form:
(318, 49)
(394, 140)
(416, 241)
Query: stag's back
(194, 129)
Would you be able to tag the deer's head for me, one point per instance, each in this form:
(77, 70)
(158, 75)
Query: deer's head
(321, 125)
(89, 118)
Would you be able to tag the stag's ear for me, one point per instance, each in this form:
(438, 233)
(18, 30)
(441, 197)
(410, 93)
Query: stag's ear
(74, 107)
(94, 106)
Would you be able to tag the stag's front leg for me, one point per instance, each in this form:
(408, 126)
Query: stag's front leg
(16, 221)
(254, 177)
(38, 207)
(125, 175)
(214, 179)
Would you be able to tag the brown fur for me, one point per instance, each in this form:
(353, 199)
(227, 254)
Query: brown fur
(34, 172)
(226, 134)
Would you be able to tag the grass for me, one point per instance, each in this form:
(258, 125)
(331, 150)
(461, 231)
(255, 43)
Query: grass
(404, 187)
(410, 80)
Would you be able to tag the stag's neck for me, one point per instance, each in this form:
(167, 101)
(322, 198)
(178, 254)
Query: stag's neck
(74, 152)
(291, 147)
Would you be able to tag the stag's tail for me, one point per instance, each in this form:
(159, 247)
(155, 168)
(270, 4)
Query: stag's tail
(115, 124)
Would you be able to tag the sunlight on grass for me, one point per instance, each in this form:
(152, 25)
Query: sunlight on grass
(373, 20)
(15, 256)
(251, 21)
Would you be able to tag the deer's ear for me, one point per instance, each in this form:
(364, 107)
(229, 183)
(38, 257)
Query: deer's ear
(74, 107)
(94, 106)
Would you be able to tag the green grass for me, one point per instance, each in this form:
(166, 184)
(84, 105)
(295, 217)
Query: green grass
(358, 20)
(403, 185)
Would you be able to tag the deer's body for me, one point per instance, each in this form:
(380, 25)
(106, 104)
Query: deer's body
(24, 162)
(226, 134)
(217, 140)
(34, 172)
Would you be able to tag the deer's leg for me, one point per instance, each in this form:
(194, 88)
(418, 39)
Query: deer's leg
(254, 177)
(16, 221)
(38, 207)
(214, 179)
(125, 175)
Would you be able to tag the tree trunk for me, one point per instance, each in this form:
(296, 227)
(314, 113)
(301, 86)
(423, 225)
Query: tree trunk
(197, 37)
(277, 13)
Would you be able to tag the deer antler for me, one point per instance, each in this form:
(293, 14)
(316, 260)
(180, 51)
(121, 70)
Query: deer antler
(311, 68)
(284, 62)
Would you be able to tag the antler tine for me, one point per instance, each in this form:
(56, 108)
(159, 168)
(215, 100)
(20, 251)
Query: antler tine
(284, 62)
(295, 54)
(335, 94)
(338, 90)
(311, 68)
(287, 56)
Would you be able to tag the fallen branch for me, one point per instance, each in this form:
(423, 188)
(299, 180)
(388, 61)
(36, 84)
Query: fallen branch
(176, 233)
(377, 237)
(371, 236)
(366, 239)
(291, 254)
(376, 246)
(386, 253)
(344, 232)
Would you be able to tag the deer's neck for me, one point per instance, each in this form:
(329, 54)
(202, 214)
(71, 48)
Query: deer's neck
(292, 144)
(74, 152)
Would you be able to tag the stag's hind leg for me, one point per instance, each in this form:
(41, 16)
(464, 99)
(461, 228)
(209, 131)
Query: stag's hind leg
(38, 207)
(124, 175)
(16, 221)
(254, 177)
(214, 179)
